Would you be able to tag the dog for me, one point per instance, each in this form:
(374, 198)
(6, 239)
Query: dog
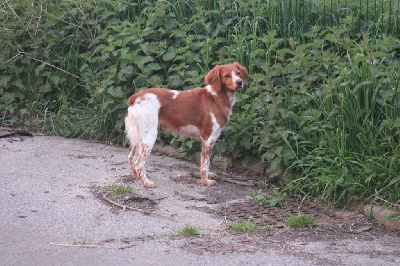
(200, 113)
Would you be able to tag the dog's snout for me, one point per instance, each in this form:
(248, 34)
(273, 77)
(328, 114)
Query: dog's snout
(239, 83)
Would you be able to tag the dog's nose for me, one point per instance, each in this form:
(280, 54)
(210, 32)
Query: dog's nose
(239, 83)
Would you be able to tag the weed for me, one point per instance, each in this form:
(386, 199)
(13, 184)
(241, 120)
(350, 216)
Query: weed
(118, 189)
(301, 220)
(276, 199)
(263, 184)
(188, 230)
(250, 226)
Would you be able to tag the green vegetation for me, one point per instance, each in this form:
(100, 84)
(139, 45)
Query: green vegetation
(117, 190)
(321, 105)
(188, 230)
(276, 199)
(250, 226)
(301, 221)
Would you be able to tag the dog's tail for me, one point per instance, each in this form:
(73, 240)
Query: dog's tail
(131, 129)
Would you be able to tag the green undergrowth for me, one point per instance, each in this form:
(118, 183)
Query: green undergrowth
(249, 226)
(273, 199)
(321, 105)
(301, 221)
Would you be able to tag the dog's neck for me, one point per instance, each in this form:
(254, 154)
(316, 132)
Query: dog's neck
(224, 97)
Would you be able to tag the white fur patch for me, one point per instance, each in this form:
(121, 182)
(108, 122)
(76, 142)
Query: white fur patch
(190, 131)
(175, 94)
(216, 130)
(235, 77)
(210, 90)
(231, 97)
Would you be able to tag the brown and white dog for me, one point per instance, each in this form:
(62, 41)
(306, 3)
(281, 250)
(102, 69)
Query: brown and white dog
(198, 113)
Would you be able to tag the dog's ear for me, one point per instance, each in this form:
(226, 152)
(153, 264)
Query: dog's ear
(243, 71)
(213, 78)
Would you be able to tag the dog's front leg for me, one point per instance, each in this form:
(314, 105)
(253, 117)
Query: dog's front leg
(206, 150)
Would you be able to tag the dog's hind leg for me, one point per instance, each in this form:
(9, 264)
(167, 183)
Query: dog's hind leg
(140, 165)
(145, 115)
(148, 136)
(132, 134)
(132, 158)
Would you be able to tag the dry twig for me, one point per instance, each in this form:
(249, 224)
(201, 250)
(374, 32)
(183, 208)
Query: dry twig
(22, 53)
(75, 245)
(124, 207)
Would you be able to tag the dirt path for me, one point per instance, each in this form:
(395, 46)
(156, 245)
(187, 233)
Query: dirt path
(56, 208)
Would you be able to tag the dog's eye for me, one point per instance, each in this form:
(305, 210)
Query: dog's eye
(238, 73)
(227, 76)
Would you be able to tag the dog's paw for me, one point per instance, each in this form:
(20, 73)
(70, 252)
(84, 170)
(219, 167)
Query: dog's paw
(208, 182)
(212, 176)
(135, 174)
(149, 184)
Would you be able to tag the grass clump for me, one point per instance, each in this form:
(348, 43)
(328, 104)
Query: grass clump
(188, 230)
(117, 190)
(301, 221)
(250, 226)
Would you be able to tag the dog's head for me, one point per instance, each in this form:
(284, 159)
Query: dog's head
(230, 77)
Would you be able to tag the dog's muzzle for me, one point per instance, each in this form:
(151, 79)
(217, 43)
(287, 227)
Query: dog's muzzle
(239, 84)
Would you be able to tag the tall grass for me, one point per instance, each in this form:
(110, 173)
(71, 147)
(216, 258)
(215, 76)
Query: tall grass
(292, 18)
(353, 151)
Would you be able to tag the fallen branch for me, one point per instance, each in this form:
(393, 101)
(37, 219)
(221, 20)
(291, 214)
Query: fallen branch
(242, 183)
(128, 246)
(124, 207)
(75, 245)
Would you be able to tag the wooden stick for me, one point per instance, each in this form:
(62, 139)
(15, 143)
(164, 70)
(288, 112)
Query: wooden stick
(124, 207)
(75, 245)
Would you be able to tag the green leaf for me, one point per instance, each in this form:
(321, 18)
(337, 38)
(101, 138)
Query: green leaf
(115, 92)
(362, 84)
(246, 143)
(152, 66)
(275, 164)
(175, 81)
(268, 156)
(55, 79)
(170, 54)
(140, 61)
(8, 97)
(4, 80)
(39, 68)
